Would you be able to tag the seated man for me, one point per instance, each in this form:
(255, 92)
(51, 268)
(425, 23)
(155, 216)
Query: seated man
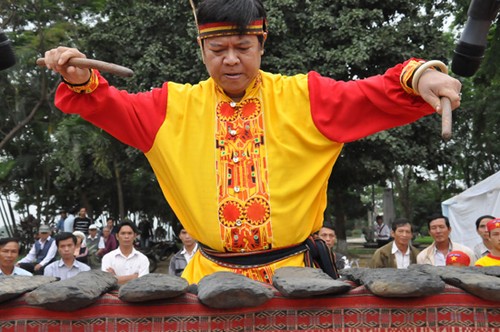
(95, 242)
(42, 253)
(398, 253)
(327, 234)
(126, 263)
(493, 258)
(67, 266)
(109, 239)
(9, 252)
(181, 259)
(435, 254)
(483, 248)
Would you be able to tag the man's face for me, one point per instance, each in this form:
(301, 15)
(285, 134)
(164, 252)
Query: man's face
(105, 232)
(439, 231)
(186, 239)
(328, 235)
(66, 248)
(8, 255)
(233, 62)
(126, 236)
(92, 232)
(402, 235)
(83, 212)
(43, 236)
(495, 238)
(482, 230)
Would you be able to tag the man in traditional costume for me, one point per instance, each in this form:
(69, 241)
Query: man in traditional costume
(244, 157)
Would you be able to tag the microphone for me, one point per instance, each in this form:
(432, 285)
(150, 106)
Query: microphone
(7, 58)
(470, 49)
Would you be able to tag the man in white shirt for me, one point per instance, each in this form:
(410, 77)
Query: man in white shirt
(9, 252)
(382, 231)
(42, 253)
(435, 254)
(67, 266)
(483, 248)
(180, 260)
(125, 262)
(69, 221)
(398, 253)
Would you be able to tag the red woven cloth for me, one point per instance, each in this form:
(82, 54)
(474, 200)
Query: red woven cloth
(451, 311)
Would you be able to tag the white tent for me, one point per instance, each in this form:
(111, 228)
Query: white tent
(464, 209)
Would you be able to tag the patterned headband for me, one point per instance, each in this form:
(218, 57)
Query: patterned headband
(218, 29)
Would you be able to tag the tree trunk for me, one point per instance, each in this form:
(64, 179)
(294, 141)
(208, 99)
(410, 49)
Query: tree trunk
(119, 191)
(340, 222)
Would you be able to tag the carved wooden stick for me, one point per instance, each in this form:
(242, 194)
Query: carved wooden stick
(96, 64)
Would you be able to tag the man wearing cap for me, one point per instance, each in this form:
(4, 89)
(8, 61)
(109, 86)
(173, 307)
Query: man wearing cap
(41, 253)
(435, 254)
(95, 242)
(67, 266)
(244, 157)
(9, 252)
(493, 257)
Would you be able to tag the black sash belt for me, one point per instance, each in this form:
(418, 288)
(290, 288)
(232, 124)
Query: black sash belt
(317, 255)
(250, 259)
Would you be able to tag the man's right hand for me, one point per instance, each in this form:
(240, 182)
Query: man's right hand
(56, 59)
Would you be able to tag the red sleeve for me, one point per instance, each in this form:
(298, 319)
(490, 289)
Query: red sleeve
(346, 111)
(134, 119)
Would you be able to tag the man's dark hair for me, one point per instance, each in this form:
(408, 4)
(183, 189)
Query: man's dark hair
(64, 236)
(478, 221)
(127, 223)
(5, 240)
(377, 218)
(240, 12)
(401, 222)
(438, 216)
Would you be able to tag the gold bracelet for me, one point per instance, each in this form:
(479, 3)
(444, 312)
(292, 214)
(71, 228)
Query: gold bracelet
(433, 64)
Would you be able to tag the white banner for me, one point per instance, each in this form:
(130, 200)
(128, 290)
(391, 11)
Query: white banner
(464, 209)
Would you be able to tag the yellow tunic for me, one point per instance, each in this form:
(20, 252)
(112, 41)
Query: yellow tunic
(294, 159)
